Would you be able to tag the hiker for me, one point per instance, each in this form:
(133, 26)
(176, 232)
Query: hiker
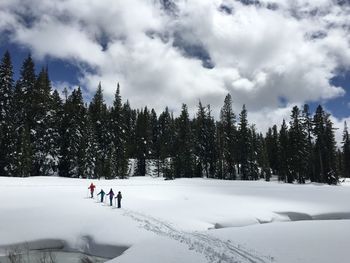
(111, 194)
(102, 193)
(92, 188)
(119, 198)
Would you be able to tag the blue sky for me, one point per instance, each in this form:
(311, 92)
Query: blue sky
(59, 70)
(268, 54)
(340, 107)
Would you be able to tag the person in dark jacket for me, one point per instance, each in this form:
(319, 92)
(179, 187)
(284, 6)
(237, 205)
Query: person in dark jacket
(111, 195)
(102, 193)
(92, 189)
(119, 199)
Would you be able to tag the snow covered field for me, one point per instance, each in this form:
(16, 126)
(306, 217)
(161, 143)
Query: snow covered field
(185, 220)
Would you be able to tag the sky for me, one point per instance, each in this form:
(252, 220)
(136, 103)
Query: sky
(268, 54)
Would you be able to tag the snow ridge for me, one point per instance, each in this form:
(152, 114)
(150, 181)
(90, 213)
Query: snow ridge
(214, 249)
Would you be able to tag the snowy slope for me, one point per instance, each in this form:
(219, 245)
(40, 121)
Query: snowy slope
(185, 220)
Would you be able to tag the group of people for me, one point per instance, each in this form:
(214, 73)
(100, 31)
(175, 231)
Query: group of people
(111, 195)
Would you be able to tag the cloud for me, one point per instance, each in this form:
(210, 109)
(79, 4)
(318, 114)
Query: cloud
(169, 52)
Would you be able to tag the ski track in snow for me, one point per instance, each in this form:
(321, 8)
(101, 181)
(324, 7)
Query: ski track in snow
(214, 249)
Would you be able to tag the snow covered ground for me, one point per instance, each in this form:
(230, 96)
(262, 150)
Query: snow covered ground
(184, 220)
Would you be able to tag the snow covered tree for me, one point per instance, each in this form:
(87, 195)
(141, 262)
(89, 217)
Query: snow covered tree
(87, 151)
(22, 163)
(55, 116)
(44, 127)
(6, 122)
(23, 118)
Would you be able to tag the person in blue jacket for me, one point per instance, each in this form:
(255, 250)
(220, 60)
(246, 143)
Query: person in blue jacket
(111, 194)
(102, 193)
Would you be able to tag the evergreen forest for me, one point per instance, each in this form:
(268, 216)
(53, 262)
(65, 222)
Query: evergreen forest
(44, 134)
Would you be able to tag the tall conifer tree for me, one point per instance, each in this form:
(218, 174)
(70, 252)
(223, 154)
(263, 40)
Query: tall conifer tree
(346, 152)
(6, 121)
(244, 144)
(183, 146)
(228, 138)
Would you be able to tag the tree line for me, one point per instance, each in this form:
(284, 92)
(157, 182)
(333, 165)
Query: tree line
(42, 134)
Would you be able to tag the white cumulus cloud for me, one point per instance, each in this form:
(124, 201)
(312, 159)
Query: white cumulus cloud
(199, 49)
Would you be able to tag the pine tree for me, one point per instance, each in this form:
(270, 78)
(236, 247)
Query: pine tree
(118, 135)
(346, 152)
(87, 151)
(6, 122)
(154, 140)
(307, 126)
(129, 121)
(55, 116)
(143, 141)
(201, 141)
(72, 137)
(45, 152)
(228, 140)
(166, 137)
(319, 132)
(254, 144)
(298, 147)
(183, 159)
(244, 144)
(262, 157)
(330, 152)
(98, 115)
(26, 84)
(204, 142)
(283, 153)
(23, 154)
(23, 119)
(212, 151)
(339, 160)
(272, 148)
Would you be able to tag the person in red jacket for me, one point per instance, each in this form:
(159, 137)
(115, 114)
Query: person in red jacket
(92, 189)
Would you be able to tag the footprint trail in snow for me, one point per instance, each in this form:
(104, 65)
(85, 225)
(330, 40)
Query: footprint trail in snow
(215, 250)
